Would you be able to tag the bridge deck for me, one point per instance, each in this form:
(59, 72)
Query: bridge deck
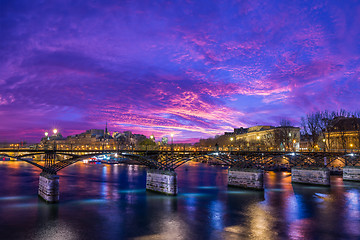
(57, 159)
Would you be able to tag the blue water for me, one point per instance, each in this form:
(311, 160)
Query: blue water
(110, 202)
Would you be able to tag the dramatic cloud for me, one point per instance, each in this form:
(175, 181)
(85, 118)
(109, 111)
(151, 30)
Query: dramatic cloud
(192, 68)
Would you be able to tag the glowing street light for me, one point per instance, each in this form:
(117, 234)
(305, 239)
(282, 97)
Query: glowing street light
(351, 146)
(231, 139)
(258, 142)
(55, 131)
(47, 136)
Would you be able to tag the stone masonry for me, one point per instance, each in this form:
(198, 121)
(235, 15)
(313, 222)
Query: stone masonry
(246, 178)
(162, 181)
(317, 176)
(351, 173)
(49, 187)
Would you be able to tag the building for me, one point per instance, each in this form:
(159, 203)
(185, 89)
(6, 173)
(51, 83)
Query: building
(127, 138)
(285, 138)
(90, 139)
(342, 134)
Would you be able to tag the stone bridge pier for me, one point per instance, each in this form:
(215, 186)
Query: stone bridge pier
(49, 187)
(162, 181)
(351, 173)
(314, 175)
(246, 178)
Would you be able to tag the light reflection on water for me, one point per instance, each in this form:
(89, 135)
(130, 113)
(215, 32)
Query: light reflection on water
(111, 202)
(207, 187)
(14, 198)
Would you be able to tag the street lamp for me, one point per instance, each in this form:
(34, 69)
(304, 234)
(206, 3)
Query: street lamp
(258, 138)
(294, 142)
(151, 139)
(172, 141)
(47, 136)
(46, 139)
(55, 131)
(231, 140)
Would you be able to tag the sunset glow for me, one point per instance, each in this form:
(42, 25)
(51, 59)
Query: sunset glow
(189, 68)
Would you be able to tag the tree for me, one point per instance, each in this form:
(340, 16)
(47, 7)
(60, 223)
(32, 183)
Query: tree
(326, 129)
(356, 115)
(270, 141)
(283, 134)
(147, 142)
(341, 127)
(242, 143)
(311, 125)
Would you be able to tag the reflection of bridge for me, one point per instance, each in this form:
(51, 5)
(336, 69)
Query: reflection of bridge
(244, 165)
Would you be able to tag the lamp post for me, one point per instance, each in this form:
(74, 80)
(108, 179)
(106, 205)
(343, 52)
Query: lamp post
(231, 141)
(151, 138)
(172, 142)
(46, 139)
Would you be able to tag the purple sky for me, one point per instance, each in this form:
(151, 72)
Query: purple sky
(193, 68)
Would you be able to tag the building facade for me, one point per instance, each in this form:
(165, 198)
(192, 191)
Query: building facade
(267, 138)
(342, 134)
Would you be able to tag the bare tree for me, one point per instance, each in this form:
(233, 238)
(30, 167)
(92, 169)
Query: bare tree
(283, 134)
(311, 125)
(356, 124)
(219, 140)
(242, 144)
(340, 127)
(326, 129)
(269, 141)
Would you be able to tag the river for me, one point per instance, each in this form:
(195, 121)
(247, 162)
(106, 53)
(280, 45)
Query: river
(110, 202)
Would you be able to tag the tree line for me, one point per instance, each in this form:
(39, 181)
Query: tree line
(320, 128)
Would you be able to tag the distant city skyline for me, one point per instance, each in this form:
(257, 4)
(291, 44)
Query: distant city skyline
(193, 69)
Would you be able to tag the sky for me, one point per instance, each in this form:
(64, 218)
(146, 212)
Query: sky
(193, 68)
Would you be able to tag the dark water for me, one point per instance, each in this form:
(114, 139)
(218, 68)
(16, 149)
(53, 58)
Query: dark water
(110, 202)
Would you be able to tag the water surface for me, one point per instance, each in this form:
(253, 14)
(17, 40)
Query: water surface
(110, 202)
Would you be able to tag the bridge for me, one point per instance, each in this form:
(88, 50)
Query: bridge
(246, 168)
